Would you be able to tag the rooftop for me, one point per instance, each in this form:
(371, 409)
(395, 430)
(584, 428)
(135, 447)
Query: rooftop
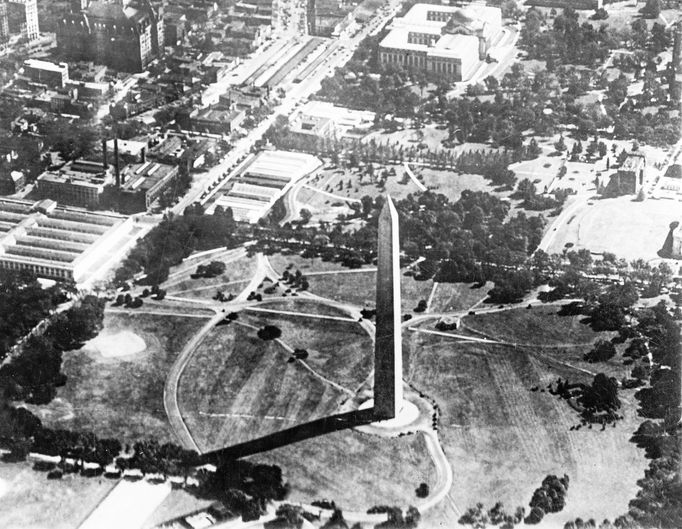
(144, 176)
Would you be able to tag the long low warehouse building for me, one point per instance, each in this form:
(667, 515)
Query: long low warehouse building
(57, 242)
(261, 183)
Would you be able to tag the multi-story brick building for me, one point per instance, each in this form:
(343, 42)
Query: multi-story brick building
(123, 34)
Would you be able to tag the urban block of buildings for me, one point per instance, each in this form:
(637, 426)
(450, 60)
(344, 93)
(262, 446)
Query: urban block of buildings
(445, 40)
(328, 19)
(18, 17)
(263, 181)
(58, 242)
(142, 184)
(216, 119)
(77, 183)
(123, 34)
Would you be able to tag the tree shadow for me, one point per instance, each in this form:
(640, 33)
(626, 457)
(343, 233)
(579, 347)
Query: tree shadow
(301, 432)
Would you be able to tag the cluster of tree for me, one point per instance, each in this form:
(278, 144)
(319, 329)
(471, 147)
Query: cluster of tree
(354, 86)
(550, 497)
(295, 280)
(212, 269)
(479, 517)
(601, 397)
(244, 487)
(567, 41)
(175, 238)
(24, 303)
(34, 374)
(531, 200)
(395, 519)
(602, 351)
(269, 332)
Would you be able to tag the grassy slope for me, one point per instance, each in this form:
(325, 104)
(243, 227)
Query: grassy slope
(457, 296)
(123, 397)
(355, 470)
(34, 502)
(239, 270)
(502, 439)
(360, 289)
(340, 351)
(539, 325)
(238, 387)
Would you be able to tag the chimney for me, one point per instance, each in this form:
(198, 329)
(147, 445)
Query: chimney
(143, 155)
(116, 164)
(104, 154)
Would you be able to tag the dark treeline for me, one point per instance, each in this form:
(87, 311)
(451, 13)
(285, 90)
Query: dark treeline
(174, 239)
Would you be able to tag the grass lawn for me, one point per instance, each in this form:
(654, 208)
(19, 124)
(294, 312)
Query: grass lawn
(457, 296)
(31, 501)
(292, 262)
(340, 351)
(121, 396)
(503, 439)
(360, 185)
(301, 305)
(541, 325)
(207, 292)
(451, 184)
(238, 387)
(178, 503)
(355, 470)
(360, 288)
(629, 229)
(236, 271)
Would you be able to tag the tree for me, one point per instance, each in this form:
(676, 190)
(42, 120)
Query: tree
(491, 83)
(652, 9)
(305, 216)
(603, 350)
(269, 332)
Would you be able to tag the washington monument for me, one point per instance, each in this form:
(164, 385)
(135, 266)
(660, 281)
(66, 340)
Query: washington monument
(388, 351)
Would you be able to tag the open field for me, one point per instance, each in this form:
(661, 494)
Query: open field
(339, 351)
(178, 503)
(355, 470)
(281, 262)
(451, 184)
(360, 288)
(238, 270)
(207, 292)
(360, 185)
(121, 396)
(628, 229)
(541, 325)
(457, 296)
(32, 501)
(300, 305)
(502, 439)
(238, 387)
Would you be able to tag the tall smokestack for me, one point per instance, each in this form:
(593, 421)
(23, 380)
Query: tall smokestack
(116, 164)
(143, 155)
(104, 154)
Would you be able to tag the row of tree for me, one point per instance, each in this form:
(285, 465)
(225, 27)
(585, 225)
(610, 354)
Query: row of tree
(34, 374)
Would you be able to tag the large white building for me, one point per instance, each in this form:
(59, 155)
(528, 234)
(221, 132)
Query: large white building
(57, 242)
(445, 40)
(267, 178)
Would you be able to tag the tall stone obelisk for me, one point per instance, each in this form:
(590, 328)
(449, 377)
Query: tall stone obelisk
(388, 351)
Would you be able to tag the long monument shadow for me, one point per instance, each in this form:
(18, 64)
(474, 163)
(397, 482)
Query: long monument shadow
(301, 432)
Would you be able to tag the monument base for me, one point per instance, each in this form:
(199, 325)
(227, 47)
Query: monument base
(407, 415)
